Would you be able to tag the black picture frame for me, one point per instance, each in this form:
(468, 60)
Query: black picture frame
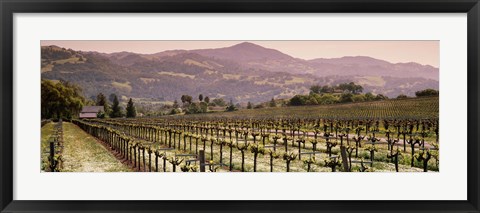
(9, 7)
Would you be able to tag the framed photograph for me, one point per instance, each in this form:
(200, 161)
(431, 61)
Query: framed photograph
(186, 106)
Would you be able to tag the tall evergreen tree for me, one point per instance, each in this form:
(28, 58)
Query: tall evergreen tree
(131, 111)
(231, 106)
(200, 97)
(183, 98)
(102, 101)
(111, 97)
(273, 103)
(116, 109)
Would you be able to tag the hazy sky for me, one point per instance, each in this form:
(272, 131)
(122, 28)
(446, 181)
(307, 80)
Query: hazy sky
(422, 52)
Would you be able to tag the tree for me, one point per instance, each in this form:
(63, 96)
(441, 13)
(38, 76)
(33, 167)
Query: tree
(351, 87)
(312, 100)
(60, 100)
(381, 97)
(273, 103)
(131, 111)
(175, 104)
(207, 100)
(426, 93)
(183, 99)
(116, 109)
(402, 96)
(369, 96)
(346, 97)
(357, 89)
(188, 99)
(102, 101)
(89, 102)
(298, 100)
(111, 97)
(249, 105)
(327, 89)
(200, 97)
(327, 99)
(231, 107)
(101, 114)
(344, 87)
(316, 89)
(358, 98)
(192, 108)
(203, 107)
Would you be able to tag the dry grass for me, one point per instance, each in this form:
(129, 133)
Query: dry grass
(84, 153)
(196, 63)
(184, 75)
(46, 133)
(148, 80)
(371, 80)
(122, 86)
(47, 68)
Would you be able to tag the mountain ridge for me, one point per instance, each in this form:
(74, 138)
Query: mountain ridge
(256, 76)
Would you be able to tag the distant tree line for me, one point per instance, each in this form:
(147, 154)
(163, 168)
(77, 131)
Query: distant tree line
(189, 106)
(345, 93)
(341, 93)
(271, 103)
(427, 92)
(318, 95)
(115, 111)
(344, 87)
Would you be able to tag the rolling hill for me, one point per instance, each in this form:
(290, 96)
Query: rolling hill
(243, 72)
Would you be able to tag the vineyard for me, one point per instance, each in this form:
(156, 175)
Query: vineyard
(383, 136)
(414, 108)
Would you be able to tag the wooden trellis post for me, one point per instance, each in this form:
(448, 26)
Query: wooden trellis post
(52, 156)
(343, 153)
(201, 158)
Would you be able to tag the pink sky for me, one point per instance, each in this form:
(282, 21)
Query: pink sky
(422, 52)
